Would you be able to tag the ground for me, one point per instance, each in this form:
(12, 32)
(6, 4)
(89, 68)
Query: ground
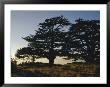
(67, 70)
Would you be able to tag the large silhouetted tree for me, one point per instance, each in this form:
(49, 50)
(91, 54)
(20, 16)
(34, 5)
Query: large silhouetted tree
(47, 41)
(80, 41)
(85, 36)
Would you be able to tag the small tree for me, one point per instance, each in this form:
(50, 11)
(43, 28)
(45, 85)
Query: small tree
(26, 52)
(47, 41)
(13, 66)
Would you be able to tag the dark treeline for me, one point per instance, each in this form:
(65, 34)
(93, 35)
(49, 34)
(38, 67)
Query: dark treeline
(58, 37)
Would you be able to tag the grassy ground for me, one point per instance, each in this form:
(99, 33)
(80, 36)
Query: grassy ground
(68, 70)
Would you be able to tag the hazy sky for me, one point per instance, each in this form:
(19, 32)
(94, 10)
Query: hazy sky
(24, 23)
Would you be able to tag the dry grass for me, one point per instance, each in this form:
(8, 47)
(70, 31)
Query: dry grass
(68, 70)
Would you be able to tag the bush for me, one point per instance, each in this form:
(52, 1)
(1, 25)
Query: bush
(13, 67)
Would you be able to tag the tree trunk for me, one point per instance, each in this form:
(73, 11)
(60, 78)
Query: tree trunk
(90, 59)
(51, 61)
(51, 56)
(33, 59)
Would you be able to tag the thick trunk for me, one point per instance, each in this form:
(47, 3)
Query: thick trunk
(51, 61)
(51, 56)
(90, 59)
(91, 49)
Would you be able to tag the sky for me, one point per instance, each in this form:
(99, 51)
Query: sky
(24, 23)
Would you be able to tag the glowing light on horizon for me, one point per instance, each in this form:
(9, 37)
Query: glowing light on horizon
(58, 60)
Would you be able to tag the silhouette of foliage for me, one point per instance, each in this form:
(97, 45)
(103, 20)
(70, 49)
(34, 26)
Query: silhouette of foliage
(13, 67)
(47, 39)
(80, 41)
(85, 40)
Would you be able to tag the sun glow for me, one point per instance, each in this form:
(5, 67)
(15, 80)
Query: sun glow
(59, 60)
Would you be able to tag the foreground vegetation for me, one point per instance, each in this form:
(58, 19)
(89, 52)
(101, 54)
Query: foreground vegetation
(45, 70)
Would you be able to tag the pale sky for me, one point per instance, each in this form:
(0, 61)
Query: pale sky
(24, 23)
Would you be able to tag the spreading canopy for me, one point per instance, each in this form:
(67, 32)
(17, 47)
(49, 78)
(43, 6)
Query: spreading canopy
(80, 41)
